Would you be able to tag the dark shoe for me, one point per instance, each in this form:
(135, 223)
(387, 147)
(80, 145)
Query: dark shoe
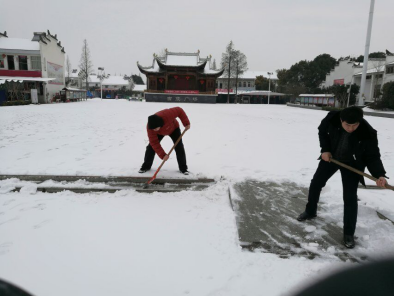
(348, 241)
(141, 171)
(305, 216)
(185, 172)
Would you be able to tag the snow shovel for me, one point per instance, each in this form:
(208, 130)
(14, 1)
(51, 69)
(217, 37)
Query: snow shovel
(359, 172)
(157, 171)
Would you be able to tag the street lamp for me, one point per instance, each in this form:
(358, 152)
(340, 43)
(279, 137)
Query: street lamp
(101, 76)
(269, 86)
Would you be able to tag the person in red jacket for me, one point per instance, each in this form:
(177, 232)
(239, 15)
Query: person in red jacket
(161, 124)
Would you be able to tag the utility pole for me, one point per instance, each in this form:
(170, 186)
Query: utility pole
(228, 80)
(236, 84)
(366, 54)
(269, 86)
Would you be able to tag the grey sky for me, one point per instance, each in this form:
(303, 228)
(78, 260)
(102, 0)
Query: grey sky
(272, 34)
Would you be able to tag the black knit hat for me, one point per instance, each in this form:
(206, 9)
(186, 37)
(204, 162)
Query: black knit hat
(155, 121)
(352, 114)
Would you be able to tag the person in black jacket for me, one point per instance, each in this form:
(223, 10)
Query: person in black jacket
(347, 137)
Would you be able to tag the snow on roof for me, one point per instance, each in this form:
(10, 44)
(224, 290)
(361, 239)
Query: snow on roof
(21, 79)
(317, 95)
(210, 71)
(72, 75)
(111, 80)
(73, 89)
(115, 80)
(373, 70)
(19, 43)
(139, 87)
(254, 74)
(182, 60)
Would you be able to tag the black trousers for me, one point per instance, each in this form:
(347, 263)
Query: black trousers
(179, 150)
(350, 182)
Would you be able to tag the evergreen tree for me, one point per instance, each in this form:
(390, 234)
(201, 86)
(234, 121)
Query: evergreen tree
(214, 65)
(137, 79)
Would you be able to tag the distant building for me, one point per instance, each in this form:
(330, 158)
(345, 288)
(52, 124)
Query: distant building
(37, 64)
(246, 81)
(74, 80)
(379, 72)
(180, 77)
(111, 85)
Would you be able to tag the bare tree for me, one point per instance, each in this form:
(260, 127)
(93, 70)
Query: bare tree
(235, 64)
(85, 64)
(68, 71)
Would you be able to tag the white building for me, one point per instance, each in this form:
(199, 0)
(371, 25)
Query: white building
(379, 72)
(37, 63)
(74, 80)
(246, 81)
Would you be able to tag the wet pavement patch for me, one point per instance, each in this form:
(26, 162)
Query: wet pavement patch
(266, 215)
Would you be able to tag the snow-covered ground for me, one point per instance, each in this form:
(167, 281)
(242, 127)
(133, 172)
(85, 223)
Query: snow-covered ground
(185, 243)
(366, 109)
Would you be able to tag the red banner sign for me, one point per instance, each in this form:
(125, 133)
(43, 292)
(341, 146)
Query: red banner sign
(223, 90)
(181, 91)
(339, 81)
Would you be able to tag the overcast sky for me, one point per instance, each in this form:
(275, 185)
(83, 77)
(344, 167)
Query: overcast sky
(272, 34)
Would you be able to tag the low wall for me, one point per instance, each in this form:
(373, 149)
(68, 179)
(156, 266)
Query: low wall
(304, 106)
(180, 98)
(376, 114)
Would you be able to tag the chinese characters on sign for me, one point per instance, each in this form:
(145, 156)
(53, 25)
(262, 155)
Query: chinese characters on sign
(154, 97)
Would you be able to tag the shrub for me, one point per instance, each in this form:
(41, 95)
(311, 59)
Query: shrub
(387, 100)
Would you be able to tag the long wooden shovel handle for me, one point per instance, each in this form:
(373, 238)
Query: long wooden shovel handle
(359, 172)
(162, 163)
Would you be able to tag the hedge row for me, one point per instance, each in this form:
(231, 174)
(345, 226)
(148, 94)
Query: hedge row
(16, 103)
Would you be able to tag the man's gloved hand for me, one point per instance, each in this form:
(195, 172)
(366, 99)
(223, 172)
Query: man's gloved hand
(326, 156)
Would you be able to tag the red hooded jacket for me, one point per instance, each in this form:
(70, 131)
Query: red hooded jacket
(170, 124)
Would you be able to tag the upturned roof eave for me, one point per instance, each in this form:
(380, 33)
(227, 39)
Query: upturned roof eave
(165, 66)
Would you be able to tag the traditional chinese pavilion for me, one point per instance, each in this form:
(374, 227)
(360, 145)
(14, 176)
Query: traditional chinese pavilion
(180, 77)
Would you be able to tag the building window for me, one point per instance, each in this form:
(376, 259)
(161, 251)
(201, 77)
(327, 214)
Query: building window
(11, 63)
(221, 85)
(368, 77)
(390, 70)
(240, 84)
(2, 61)
(244, 83)
(96, 84)
(249, 84)
(22, 62)
(35, 63)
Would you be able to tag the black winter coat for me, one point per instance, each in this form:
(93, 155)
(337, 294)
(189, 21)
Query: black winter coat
(364, 143)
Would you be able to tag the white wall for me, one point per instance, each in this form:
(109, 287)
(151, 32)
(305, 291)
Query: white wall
(388, 77)
(344, 70)
(52, 53)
